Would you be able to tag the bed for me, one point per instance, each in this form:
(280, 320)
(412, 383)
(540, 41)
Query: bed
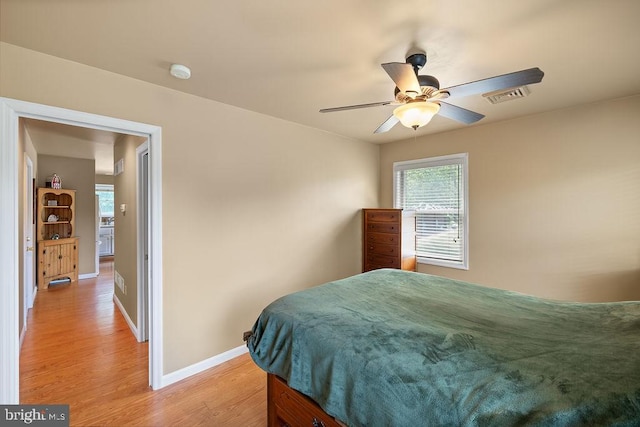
(396, 348)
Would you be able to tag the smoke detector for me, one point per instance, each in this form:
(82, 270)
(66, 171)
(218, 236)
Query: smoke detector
(507, 95)
(180, 71)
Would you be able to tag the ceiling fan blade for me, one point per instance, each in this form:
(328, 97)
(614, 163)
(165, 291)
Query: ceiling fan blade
(387, 124)
(354, 107)
(505, 81)
(458, 113)
(403, 76)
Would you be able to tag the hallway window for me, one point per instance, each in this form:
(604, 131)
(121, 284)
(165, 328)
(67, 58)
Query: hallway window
(105, 201)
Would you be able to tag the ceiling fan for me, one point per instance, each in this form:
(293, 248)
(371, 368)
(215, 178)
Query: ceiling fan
(420, 97)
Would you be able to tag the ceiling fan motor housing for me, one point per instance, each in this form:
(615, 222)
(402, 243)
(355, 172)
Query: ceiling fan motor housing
(428, 84)
(429, 81)
(417, 61)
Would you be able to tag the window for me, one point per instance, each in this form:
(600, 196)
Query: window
(436, 189)
(105, 199)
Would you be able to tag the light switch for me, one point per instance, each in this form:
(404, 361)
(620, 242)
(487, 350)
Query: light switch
(123, 208)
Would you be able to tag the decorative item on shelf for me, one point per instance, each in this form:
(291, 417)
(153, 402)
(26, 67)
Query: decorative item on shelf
(55, 236)
(52, 203)
(52, 218)
(56, 182)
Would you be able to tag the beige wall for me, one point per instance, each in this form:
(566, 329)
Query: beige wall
(104, 179)
(79, 175)
(253, 207)
(554, 200)
(126, 230)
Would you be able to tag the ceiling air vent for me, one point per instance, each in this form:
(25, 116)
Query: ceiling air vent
(507, 95)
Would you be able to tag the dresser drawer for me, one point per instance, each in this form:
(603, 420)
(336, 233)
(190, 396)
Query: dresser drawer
(382, 249)
(384, 238)
(384, 216)
(383, 261)
(383, 227)
(370, 266)
(296, 409)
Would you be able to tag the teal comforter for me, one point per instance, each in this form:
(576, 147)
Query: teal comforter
(393, 348)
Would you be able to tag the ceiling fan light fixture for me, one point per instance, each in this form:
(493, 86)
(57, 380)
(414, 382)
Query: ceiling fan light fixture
(416, 114)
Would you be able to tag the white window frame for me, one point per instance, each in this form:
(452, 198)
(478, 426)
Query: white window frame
(106, 188)
(460, 159)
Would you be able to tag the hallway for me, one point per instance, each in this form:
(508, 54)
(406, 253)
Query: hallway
(79, 350)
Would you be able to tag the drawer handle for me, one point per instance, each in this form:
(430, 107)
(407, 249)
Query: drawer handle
(317, 422)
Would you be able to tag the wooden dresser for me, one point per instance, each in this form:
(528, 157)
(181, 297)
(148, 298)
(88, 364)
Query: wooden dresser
(388, 239)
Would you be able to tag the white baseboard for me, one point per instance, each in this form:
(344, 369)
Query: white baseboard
(33, 297)
(198, 367)
(132, 325)
(87, 276)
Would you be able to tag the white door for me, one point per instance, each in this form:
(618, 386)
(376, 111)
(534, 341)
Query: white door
(29, 240)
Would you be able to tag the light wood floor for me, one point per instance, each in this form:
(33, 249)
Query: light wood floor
(78, 350)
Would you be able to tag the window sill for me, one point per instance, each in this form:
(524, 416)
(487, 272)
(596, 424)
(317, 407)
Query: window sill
(442, 263)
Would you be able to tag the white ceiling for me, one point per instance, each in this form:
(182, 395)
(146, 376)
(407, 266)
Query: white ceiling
(288, 59)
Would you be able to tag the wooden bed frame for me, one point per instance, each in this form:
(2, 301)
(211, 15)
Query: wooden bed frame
(287, 407)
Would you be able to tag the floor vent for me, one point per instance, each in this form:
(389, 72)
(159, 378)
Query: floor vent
(507, 95)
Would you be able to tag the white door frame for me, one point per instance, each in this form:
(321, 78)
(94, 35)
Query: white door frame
(142, 197)
(97, 227)
(28, 272)
(11, 111)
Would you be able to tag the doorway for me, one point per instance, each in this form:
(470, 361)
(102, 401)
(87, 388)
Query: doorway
(10, 113)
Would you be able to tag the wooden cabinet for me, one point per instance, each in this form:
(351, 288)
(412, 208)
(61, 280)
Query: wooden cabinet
(288, 407)
(57, 259)
(388, 239)
(106, 241)
(57, 244)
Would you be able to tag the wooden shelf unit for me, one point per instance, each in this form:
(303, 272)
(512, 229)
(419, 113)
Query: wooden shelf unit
(57, 244)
